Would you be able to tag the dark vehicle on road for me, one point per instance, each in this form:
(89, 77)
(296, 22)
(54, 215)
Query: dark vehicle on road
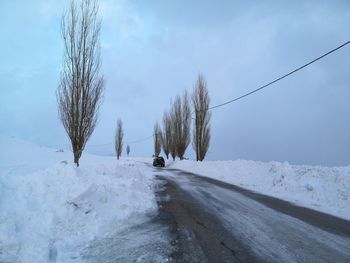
(159, 161)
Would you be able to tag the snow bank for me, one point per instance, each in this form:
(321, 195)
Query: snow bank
(326, 189)
(50, 209)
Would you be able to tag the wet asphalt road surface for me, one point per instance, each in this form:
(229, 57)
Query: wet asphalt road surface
(211, 221)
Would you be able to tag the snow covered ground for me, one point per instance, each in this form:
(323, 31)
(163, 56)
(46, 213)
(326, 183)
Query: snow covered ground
(50, 210)
(326, 189)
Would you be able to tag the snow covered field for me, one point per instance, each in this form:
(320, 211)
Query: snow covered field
(50, 210)
(326, 189)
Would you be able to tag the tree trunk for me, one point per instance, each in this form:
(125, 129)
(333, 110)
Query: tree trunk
(76, 160)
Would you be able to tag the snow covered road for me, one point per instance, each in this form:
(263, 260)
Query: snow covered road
(225, 223)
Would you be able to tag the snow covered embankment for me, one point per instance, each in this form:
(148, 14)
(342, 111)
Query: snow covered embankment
(50, 209)
(326, 189)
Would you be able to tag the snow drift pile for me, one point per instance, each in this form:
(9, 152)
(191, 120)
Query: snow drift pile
(326, 189)
(50, 210)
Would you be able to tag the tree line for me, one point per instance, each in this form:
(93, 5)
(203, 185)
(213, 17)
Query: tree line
(175, 135)
(80, 92)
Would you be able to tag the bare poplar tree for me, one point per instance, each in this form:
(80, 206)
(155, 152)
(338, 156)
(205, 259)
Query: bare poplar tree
(186, 126)
(166, 134)
(128, 150)
(181, 121)
(81, 86)
(119, 136)
(172, 146)
(157, 139)
(201, 129)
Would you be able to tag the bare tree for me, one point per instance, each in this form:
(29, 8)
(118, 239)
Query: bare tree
(166, 134)
(186, 126)
(172, 146)
(119, 135)
(181, 121)
(172, 139)
(81, 86)
(174, 119)
(201, 129)
(157, 139)
(128, 150)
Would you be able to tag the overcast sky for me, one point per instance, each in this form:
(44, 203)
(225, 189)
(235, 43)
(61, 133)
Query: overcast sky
(153, 50)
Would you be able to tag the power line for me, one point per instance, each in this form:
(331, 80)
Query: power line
(141, 140)
(98, 145)
(280, 78)
(110, 143)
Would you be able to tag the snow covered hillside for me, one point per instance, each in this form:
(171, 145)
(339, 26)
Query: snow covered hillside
(50, 210)
(326, 189)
